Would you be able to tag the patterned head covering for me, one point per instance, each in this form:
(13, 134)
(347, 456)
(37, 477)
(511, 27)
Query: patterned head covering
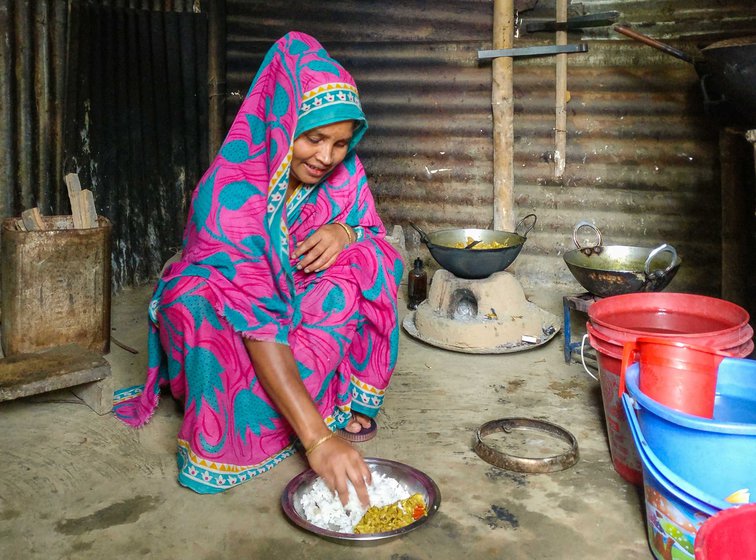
(298, 87)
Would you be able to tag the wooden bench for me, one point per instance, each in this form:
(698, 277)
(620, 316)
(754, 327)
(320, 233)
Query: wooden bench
(73, 367)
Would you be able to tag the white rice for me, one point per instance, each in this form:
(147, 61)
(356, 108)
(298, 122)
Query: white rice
(322, 508)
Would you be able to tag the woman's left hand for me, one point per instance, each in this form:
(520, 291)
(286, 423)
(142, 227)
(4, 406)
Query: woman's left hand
(319, 251)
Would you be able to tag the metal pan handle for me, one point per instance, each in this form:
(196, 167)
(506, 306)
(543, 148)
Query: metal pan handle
(582, 224)
(528, 229)
(663, 248)
(423, 236)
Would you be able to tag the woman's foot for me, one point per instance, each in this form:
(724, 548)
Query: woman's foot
(357, 423)
(360, 428)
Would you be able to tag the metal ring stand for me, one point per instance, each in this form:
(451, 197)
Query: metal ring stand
(553, 463)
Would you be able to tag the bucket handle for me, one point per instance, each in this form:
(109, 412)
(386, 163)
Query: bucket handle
(629, 355)
(582, 358)
(663, 248)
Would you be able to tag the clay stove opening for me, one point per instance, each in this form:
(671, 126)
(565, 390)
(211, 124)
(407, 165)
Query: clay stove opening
(463, 305)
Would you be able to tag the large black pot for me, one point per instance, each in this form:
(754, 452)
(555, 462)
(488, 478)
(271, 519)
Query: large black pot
(727, 72)
(731, 64)
(447, 247)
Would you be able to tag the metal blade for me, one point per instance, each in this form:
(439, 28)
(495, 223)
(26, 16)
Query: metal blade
(573, 23)
(534, 51)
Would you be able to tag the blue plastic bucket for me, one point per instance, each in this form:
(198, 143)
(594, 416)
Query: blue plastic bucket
(675, 510)
(691, 494)
(716, 455)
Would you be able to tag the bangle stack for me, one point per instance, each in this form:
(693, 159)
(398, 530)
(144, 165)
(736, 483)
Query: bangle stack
(318, 443)
(349, 232)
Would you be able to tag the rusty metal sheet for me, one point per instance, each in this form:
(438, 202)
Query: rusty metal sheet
(136, 126)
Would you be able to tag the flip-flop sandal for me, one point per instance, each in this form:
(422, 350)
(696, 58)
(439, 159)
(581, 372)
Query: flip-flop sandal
(364, 434)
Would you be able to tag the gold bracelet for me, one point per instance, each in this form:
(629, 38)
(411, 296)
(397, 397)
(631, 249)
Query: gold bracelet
(348, 231)
(318, 443)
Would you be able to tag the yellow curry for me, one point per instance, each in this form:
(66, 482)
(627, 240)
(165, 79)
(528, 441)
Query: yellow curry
(481, 245)
(393, 516)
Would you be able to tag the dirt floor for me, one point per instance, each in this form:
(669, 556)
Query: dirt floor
(76, 485)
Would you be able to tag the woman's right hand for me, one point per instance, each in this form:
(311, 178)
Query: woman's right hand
(336, 461)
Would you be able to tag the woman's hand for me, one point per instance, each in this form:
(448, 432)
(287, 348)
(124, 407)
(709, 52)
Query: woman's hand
(335, 461)
(319, 251)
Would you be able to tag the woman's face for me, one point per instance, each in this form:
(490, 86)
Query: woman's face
(319, 150)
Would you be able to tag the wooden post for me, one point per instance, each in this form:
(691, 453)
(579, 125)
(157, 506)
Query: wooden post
(751, 137)
(502, 102)
(735, 220)
(560, 128)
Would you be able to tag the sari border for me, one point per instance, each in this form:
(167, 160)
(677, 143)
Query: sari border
(206, 476)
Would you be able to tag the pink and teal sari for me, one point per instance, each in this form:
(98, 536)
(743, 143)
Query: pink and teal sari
(236, 279)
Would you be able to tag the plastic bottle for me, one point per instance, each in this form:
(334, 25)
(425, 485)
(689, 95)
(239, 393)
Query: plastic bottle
(417, 285)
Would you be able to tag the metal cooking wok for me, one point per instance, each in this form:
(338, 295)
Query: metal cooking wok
(727, 71)
(620, 269)
(474, 263)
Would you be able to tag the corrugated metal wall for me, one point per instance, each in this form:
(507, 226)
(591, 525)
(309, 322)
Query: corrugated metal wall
(642, 156)
(32, 56)
(136, 121)
(139, 144)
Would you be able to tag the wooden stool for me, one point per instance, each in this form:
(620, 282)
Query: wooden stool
(86, 373)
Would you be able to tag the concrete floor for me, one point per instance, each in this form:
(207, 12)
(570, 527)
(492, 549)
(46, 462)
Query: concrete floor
(74, 485)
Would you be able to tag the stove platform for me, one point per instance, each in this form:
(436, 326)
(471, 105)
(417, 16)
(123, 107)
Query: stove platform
(484, 316)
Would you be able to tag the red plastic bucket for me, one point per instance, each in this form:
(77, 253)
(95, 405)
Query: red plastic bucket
(700, 320)
(728, 535)
(621, 447)
(678, 375)
(613, 321)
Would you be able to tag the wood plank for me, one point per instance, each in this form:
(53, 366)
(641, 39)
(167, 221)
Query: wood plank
(97, 395)
(560, 128)
(74, 191)
(62, 367)
(88, 210)
(32, 219)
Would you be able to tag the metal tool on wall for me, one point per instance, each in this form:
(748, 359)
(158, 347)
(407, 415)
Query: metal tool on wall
(561, 26)
(574, 23)
(546, 50)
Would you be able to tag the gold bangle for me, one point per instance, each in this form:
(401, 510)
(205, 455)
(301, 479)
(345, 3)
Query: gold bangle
(318, 443)
(348, 231)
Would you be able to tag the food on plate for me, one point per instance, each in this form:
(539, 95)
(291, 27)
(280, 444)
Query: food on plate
(392, 506)
(393, 516)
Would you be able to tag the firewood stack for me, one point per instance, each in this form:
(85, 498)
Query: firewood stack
(83, 212)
